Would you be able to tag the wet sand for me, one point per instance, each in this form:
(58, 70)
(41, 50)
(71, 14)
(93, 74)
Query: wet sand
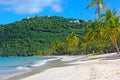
(48, 65)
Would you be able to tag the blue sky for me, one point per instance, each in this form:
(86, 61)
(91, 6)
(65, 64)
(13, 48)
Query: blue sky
(15, 10)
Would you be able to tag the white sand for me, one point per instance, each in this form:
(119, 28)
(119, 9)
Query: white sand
(102, 67)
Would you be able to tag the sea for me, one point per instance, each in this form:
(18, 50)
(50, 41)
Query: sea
(11, 66)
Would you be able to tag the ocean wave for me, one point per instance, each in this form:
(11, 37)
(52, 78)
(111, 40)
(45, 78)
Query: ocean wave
(42, 62)
(39, 63)
(53, 59)
(22, 68)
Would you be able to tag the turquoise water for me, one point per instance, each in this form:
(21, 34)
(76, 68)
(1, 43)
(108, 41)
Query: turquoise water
(15, 65)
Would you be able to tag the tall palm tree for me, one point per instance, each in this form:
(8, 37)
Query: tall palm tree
(100, 6)
(106, 27)
(111, 27)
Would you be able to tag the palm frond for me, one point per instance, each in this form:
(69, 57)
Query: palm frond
(91, 4)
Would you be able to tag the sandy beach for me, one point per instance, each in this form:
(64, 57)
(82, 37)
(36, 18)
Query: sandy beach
(100, 67)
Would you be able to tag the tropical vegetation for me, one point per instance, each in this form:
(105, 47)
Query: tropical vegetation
(54, 35)
(36, 35)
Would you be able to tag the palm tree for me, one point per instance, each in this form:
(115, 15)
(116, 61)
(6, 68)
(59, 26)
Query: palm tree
(72, 42)
(100, 6)
(106, 27)
(111, 27)
(94, 31)
(59, 47)
(94, 34)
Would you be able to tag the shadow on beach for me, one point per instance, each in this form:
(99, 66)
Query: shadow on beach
(109, 57)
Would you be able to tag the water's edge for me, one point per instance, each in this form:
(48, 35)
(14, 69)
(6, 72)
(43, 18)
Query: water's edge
(13, 66)
(49, 64)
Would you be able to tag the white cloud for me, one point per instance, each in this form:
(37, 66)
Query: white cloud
(57, 8)
(30, 6)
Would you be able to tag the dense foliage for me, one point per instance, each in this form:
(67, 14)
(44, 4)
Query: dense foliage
(36, 35)
(53, 35)
(102, 35)
(70, 46)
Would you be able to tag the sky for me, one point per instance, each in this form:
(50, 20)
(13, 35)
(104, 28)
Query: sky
(16, 10)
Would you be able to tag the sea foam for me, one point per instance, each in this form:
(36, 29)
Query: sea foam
(22, 68)
(42, 62)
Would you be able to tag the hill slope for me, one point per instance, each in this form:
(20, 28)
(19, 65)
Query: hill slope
(36, 34)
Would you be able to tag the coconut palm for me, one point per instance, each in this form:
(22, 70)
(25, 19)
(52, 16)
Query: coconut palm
(94, 34)
(106, 27)
(94, 31)
(100, 6)
(59, 47)
(72, 39)
(111, 27)
(72, 42)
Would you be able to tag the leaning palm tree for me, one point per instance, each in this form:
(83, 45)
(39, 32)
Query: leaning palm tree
(100, 6)
(111, 29)
(106, 27)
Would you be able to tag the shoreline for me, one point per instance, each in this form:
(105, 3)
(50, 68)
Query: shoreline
(48, 65)
(98, 67)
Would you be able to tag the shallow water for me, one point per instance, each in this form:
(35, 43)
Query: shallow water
(16, 65)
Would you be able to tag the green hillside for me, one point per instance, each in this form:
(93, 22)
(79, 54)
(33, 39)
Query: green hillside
(36, 34)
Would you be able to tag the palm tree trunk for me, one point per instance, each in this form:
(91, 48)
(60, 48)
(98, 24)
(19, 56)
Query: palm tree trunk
(116, 46)
(98, 5)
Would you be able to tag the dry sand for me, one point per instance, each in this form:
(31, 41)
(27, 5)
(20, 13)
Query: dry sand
(101, 67)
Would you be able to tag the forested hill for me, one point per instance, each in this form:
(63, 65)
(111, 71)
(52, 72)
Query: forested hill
(36, 35)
